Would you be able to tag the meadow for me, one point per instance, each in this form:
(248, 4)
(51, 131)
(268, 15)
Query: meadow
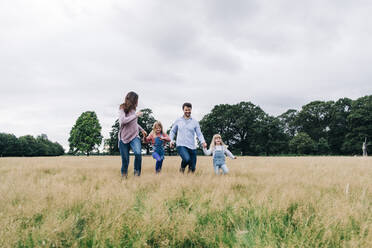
(263, 202)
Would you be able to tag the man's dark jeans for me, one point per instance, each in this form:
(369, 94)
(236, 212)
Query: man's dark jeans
(188, 158)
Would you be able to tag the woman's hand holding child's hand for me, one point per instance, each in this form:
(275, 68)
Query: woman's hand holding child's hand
(144, 133)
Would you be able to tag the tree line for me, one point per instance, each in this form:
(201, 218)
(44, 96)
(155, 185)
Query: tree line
(318, 128)
(28, 146)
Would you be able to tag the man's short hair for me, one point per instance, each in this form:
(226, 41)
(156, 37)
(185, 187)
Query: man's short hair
(186, 104)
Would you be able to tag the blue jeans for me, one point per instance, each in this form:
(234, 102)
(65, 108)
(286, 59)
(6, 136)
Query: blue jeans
(188, 158)
(159, 161)
(135, 144)
(217, 168)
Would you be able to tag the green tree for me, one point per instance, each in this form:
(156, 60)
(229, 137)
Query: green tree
(289, 122)
(302, 144)
(314, 119)
(272, 136)
(28, 145)
(85, 135)
(246, 128)
(359, 123)
(220, 121)
(113, 141)
(323, 147)
(9, 145)
(146, 121)
(45, 147)
(338, 126)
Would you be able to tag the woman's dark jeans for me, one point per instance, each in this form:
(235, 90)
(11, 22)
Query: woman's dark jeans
(135, 144)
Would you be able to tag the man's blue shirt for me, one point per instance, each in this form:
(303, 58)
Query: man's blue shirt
(186, 130)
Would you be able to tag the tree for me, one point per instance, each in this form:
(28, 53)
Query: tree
(288, 121)
(247, 121)
(85, 135)
(272, 136)
(314, 119)
(45, 147)
(302, 144)
(359, 123)
(245, 127)
(28, 145)
(219, 120)
(323, 147)
(9, 145)
(146, 121)
(338, 126)
(113, 142)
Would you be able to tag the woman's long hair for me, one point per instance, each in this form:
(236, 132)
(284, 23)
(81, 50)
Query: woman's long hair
(156, 124)
(131, 101)
(213, 142)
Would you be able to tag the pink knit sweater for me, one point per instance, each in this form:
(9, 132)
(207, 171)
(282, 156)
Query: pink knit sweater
(128, 126)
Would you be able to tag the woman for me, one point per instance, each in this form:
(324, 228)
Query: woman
(128, 134)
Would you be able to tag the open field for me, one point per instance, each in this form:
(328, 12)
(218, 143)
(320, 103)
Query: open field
(263, 202)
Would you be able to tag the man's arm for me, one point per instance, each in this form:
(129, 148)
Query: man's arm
(173, 131)
(200, 135)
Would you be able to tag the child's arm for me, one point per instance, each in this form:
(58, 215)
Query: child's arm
(165, 137)
(207, 152)
(228, 153)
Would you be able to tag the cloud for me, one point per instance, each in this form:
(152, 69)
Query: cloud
(61, 58)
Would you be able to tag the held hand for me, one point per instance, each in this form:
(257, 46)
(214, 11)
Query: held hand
(144, 133)
(204, 145)
(139, 114)
(171, 144)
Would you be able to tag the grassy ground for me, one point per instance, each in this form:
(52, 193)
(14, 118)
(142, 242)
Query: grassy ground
(263, 202)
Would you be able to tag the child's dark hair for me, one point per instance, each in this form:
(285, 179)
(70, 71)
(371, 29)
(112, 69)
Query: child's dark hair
(187, 104)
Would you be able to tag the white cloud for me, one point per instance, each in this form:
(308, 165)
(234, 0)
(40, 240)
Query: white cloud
(61, 58)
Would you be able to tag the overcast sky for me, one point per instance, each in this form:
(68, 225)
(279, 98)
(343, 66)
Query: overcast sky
(59, 58)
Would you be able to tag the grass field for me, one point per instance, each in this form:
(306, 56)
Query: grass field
(263, 202)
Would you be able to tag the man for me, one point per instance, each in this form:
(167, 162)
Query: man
(186, 127)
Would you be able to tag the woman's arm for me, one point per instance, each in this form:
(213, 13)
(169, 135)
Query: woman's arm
(123, 119)
(140, 128)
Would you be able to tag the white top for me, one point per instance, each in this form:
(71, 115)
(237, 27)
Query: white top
(218, 148)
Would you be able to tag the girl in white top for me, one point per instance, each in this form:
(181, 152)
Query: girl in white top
(219, 150)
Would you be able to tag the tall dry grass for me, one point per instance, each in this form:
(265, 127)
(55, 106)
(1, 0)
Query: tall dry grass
(263, 202)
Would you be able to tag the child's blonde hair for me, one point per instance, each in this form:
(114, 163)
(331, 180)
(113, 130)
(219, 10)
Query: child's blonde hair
(157, 123)
(213, 142)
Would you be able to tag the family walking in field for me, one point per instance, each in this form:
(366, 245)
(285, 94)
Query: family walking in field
(185, 128)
